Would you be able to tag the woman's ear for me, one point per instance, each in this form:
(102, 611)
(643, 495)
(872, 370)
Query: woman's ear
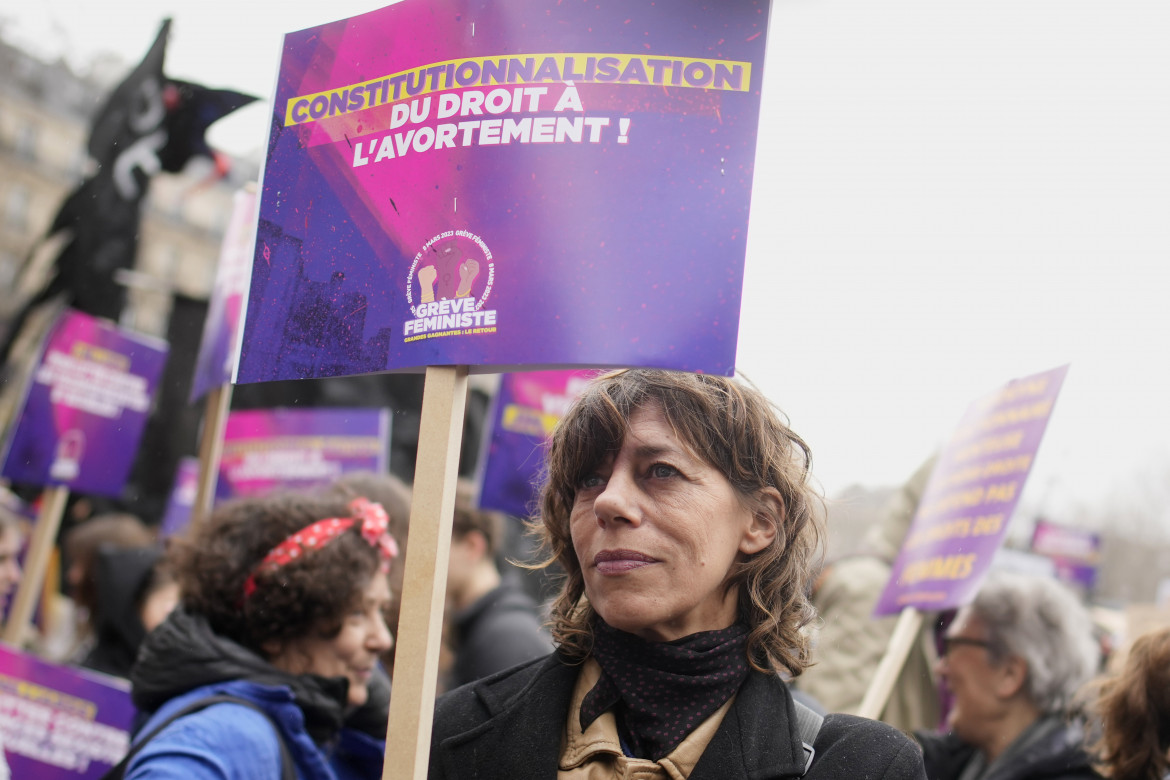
(767, 513)
(1013, 673)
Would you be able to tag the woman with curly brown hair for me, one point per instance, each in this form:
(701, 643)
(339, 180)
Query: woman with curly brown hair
(1134, 708)
(281, 610)
(679, 507)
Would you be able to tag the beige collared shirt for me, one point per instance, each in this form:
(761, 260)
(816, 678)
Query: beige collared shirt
(596, 752)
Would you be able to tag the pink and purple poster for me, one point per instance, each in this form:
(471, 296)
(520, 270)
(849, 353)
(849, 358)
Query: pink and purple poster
(964, 512)
(57, 722)
(217, 350)
(86, 407)
(298, 449)
(527, 408)
(1075, 552)
(527, 183)
(26, 517)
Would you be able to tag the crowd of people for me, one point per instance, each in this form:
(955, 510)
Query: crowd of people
(696, 632)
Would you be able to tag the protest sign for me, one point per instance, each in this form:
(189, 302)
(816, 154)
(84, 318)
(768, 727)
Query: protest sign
(219, 347)
(182, 499)
(541, 184)
(1074, 551)
(270, 449)
(963, 515)
(217, 350)
(965, 510)
(57, 722)
(527, 408)
(22, 516)
(85, 407)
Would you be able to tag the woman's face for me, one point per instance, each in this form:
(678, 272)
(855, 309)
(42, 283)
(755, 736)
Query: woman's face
(353, 653)
(656, 530)
(968, 671)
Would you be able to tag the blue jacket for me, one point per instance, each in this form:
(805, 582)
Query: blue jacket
(231, 742)
(184, 660)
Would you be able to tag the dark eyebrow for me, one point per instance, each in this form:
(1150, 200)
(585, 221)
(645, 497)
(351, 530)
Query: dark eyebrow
(646, 451)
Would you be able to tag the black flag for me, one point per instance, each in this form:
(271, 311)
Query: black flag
(149, 123)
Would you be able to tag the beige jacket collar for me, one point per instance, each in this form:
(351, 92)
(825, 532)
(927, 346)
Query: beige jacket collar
(596, 752)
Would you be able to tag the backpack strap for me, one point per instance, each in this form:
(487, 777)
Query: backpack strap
(287, 769)
(808, 724)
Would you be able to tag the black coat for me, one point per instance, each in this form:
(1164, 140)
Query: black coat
(499, 631)
(508, 727)
(1059, 756)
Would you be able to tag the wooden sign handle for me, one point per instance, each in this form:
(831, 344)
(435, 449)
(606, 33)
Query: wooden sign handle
(905, 633)
(36, 562)
(215, 414)
(416, 659)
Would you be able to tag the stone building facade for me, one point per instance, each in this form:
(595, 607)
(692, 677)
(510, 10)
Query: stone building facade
(45, 114)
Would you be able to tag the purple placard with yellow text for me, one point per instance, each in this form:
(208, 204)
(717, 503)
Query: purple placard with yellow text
(298, 449)
(59, 723)
(973, 490)
(529, 183)
(86, 407)
(527, 408)
(217, 350)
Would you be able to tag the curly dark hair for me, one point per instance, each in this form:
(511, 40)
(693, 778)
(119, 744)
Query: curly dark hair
(311, 595)
(1134, 708)
(735, 429)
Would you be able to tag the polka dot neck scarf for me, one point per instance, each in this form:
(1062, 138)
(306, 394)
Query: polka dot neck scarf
(661, 691)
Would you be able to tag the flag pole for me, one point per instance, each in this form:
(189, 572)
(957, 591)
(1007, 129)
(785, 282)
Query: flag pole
(36, 563)
(416, 658)
(215, 413)
(901, 641)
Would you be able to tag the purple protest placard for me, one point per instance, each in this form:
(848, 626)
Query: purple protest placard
(217, 350)
(1074, 551)
(527, 408)
(536, 184)
(296, 449)
(182, 498)
(973, 490)
(57, 722)
(86, 407)
(25, 516)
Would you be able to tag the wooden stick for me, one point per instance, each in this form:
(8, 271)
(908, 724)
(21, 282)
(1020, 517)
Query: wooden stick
(416, 660)
(215, 414)
(905, 633)
(36, 561)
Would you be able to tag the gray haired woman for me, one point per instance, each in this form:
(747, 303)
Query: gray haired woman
(1014, 658)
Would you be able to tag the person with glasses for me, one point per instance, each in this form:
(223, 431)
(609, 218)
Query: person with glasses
(1014, 659)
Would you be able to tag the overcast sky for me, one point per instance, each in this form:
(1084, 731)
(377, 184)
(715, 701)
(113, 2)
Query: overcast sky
(947, 196)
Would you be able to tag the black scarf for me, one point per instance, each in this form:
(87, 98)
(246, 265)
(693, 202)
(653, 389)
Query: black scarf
(662, 691)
